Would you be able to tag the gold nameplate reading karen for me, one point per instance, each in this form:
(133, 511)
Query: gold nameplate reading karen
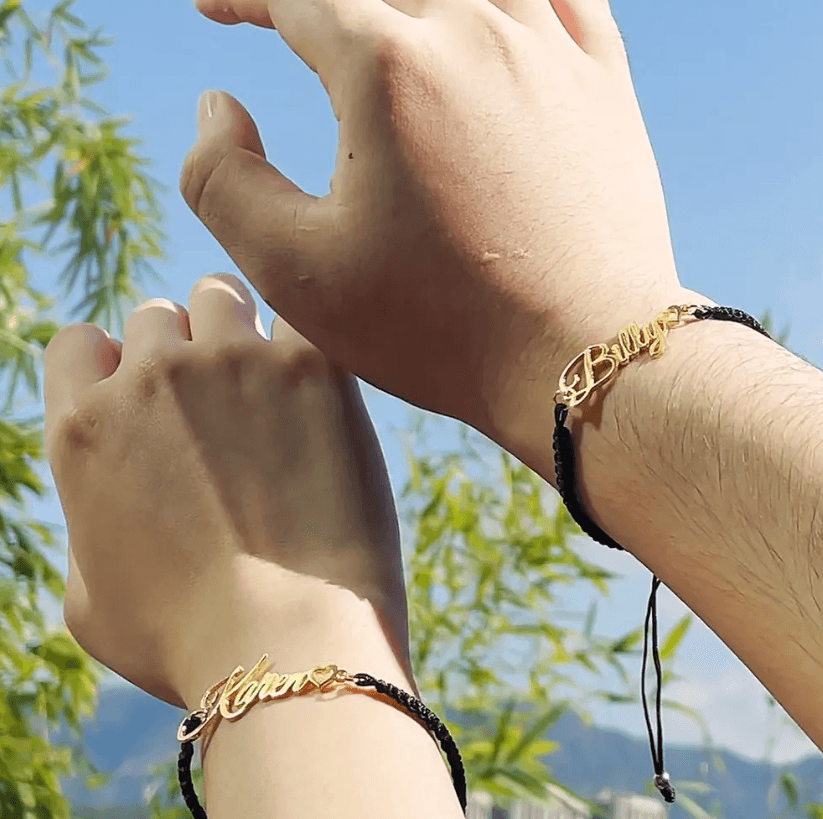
(632, 340)
(242, 690)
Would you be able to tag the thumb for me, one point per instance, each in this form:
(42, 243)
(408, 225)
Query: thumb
(265, 222)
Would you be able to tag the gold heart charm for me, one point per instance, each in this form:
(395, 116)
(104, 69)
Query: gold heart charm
(321, 675)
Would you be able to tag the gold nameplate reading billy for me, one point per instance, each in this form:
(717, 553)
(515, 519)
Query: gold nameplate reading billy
(632, 340)
(242, 691)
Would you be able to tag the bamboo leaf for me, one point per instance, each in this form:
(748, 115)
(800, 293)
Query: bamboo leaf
(788, 782)
(536, 732)
(502, 726)
(675, 636)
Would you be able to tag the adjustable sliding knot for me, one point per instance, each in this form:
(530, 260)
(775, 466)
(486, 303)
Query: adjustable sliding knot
(632, 341)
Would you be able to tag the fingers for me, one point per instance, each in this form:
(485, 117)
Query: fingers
(81, 355)
(325, 34)
(221, 308)
(153, 328)
(263, 220)
(318, 31)
(591, 25)
(78, 357)
(255, 12)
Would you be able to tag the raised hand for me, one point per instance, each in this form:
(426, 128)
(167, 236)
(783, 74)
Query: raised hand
(225, 496)
(495, 208)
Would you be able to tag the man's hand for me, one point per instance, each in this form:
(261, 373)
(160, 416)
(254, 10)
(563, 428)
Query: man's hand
(496, 206)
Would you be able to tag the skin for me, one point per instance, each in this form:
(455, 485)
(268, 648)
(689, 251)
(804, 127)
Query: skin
(495, 209)
(498, 255)
(225, 496)
(495, 204)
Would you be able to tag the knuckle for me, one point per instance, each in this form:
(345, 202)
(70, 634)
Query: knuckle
(394, 50)
(302, 361)
(156, 369)
(200, 167)
(78, 431)
(148, 376)
(68, 335)
(164, 367)
(232, 362)
(242, 361)
(191, 184)
(376, 47)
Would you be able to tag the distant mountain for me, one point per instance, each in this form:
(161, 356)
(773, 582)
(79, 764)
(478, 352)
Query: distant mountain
(132, 732)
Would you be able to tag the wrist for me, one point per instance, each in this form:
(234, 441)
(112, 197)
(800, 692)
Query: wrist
(524, 421)
(331, 627)
(706, 466)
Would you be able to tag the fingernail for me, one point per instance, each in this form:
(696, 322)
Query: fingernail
(207, 111)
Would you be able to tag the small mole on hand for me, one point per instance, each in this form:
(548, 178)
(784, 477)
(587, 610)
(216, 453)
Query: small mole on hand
(351, 156)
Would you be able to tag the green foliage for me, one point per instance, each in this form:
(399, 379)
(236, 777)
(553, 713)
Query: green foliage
(485, 559)
(102, 208)
(484, 562)
(485, 569)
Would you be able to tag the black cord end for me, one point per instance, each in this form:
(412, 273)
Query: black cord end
(662, 783)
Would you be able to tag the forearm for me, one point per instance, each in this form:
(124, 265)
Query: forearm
(347, 752)
(707, 465)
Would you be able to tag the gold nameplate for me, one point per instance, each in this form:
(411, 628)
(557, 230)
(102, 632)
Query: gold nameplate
(632, 341)
(241, 690)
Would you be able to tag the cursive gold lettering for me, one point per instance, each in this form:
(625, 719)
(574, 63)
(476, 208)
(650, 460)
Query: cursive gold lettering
(628, 341)
(658, 330)
(632, 340)
(270, 680)
(240, 691)
(233, 687)
(574, 397)
(619, 354)
(248, 693)
(290, 683)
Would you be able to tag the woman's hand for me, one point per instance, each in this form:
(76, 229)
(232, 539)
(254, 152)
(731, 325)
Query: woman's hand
(225, 497)
(495, 209)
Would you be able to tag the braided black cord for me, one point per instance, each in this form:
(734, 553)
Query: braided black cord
(563, 441)
(414, 706)
(569, 492)
(564, 467)
(567, 486)
(730, 314)
(411, 704)
(184, 772)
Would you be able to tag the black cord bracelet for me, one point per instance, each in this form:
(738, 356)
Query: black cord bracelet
(567, 486)
(410, 704)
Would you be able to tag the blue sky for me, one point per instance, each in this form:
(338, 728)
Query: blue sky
(731, 98)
